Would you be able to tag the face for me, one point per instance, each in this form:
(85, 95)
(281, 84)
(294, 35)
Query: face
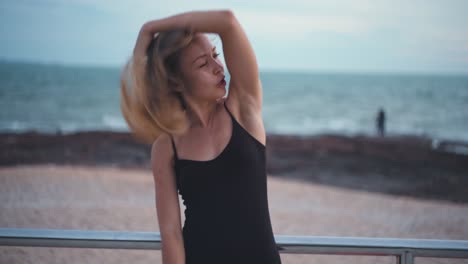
(202, 70)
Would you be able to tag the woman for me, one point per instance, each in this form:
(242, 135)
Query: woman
(208, 146)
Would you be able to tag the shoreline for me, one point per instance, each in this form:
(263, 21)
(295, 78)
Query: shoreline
(397, 165)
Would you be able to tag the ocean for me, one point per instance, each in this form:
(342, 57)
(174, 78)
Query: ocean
(52, 98)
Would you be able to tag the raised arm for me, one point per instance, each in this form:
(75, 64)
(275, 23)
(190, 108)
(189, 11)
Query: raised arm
(245, 90)
(167, 201)
(217, 21)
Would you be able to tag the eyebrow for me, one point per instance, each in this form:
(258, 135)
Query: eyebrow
(214, 48)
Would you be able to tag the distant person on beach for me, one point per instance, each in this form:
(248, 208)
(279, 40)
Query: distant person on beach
(380, 121)
(207, 146)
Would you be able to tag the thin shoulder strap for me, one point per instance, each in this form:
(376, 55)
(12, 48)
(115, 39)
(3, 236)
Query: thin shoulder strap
(174, 148)
(225, 106)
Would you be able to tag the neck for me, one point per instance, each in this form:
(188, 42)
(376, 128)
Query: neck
(201, 114)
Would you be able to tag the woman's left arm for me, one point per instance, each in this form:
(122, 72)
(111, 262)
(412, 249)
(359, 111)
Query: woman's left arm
(245, 88)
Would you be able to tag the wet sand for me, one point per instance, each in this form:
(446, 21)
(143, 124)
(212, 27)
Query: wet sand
(113, 198)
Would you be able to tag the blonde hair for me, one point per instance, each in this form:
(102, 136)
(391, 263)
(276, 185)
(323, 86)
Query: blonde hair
(150, 102)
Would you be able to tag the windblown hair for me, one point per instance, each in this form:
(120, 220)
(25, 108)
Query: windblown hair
(150, 102)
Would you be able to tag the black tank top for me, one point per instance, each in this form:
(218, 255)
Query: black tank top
(227, 217)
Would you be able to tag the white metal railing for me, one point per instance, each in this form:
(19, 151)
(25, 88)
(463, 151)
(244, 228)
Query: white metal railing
(405, 250)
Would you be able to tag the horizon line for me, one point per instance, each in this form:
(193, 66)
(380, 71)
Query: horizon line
(262, 69)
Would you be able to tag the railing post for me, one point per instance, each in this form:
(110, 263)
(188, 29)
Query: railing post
(409, 257)
(405, 258)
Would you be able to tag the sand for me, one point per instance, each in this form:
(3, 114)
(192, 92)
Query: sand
(92, 198)
(401, 165)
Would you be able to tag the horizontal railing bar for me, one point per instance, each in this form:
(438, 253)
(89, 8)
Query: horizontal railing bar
(28, 237)
(372, 246)
(378, 242)
(286, 244)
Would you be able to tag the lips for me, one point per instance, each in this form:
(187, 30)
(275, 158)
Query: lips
(222, 82)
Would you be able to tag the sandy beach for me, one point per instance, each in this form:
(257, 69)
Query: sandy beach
(404, 165)
(319, 186)
(90, 198)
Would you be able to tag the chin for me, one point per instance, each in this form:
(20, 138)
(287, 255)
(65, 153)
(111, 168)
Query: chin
(221, 90)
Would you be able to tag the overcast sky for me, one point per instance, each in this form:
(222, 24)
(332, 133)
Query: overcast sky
(328, 35)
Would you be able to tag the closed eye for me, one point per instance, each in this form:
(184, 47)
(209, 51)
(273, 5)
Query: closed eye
(204, 64)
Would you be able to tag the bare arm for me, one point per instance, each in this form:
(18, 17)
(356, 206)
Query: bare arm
(167, 201)
(245, 88)
(238, 52)
(216, 21)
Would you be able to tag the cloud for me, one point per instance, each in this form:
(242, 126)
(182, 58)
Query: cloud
(337, 33)
(268, 23)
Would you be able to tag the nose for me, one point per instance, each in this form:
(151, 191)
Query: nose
(218, 67)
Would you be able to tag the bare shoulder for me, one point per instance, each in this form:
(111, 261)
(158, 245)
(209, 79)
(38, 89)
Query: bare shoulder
(161, 154)
(167, 202)
(161, 146)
